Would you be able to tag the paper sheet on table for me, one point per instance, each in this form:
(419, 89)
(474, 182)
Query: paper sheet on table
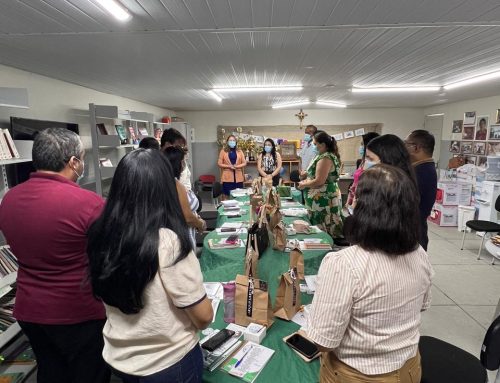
(215, 306)
(232, 225)
(298, 212)
(221, 233)
(301, 317)
(311, 282)
(214, 290)
(249, 361)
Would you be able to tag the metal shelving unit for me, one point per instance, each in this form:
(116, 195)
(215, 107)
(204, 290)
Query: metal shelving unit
(110, 144)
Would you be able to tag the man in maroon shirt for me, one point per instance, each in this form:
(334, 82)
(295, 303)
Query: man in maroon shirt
(45, 221)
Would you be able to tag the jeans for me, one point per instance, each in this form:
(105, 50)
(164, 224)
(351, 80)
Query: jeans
(68, 353)
(188, 370)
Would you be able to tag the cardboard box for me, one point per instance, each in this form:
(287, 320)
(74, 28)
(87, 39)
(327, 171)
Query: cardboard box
(451, 193)
(444, 215)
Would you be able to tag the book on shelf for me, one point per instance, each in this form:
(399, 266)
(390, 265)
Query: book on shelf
(10, 143)
(105, 162)
(158, 133)
(8, 262)
(101, 128)
(143, 132)
(122, 133)
(4, 149)
(21, 353)
(11, 377)
(249, 361)
(6, 310)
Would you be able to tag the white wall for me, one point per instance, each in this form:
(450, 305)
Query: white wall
(455, 111)
(56, 100)
(399, 121)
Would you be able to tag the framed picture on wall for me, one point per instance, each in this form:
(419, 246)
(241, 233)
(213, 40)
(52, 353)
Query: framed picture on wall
(455, 147)
(466, 147)
(493, 149)
(349, 134)
(494, 132)
(482, 128)
(482, 161)
(497, 119)
(457, 126)
(338, 137)
(470, 118)
(470, 160)
(479, 148)
(359, 132)
(288, 151)
(468, 132)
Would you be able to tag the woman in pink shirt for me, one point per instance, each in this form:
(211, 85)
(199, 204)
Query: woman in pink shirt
(366, 138)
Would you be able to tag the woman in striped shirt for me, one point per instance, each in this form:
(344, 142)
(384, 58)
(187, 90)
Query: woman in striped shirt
(365, 314)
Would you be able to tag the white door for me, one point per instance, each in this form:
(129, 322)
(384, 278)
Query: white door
(434, 124)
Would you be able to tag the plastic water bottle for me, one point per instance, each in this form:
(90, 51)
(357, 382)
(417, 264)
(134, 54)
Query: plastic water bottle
(229, 298)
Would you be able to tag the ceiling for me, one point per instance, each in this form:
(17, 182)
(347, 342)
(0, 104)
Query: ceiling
(172, 51)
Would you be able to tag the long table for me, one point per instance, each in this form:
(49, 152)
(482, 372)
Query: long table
(223, 265)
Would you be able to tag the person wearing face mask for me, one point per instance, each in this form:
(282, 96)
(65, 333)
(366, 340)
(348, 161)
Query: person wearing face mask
(389, 149)
(45, 221)
(321, 190)
(269, 162)
(231, 162)
(365, 139)
(308, 151)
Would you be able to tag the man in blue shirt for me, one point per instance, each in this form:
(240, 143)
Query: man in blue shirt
(420, 145)
(308, 151)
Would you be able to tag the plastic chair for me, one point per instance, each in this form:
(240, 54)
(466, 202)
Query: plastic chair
(485, 226)
(207, 181)
(443, 362)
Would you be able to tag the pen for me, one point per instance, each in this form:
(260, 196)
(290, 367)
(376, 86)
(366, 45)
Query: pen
(243, 357)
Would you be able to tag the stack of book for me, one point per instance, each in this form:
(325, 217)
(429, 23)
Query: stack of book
(223, 243)
(213, 359)
(315, 244)
(6, 310)
(8, 262)
(8, 149)
(12, 377)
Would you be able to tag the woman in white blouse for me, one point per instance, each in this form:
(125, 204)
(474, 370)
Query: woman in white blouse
(365, 314)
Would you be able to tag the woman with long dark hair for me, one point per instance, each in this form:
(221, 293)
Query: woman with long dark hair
(231, 162)
(365, 315)
(142, 266)
(321, 190)
(391, 150)
(269, 162)
(365, 140)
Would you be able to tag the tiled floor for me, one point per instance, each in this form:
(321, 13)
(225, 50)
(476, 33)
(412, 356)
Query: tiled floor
(466, 291)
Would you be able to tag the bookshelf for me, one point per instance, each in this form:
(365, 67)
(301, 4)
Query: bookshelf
(110, 145)
(23, 366)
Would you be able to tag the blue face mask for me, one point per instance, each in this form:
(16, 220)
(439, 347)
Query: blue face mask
(369, 164)
(268, 149)
(315, 148)
(307, 137)
(361, 151)
(231, 144)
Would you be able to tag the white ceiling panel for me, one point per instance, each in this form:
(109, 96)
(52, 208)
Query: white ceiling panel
(172, 51)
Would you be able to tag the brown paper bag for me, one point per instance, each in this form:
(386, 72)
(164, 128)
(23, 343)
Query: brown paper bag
(257, 186)
(273, 199)
(297, 261)
(252, 303)
(279, 236)
(288, 296)
(275, 216)
(256, 200)
(251, 256)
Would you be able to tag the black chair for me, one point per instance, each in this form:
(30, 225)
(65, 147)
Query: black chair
(490, 350)
(295, 176)
(485, 226)
(210, 217)
(216, 192)
(443, 362)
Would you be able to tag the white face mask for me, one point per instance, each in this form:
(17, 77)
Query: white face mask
(79, 176)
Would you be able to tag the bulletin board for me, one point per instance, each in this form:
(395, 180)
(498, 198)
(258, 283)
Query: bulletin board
(348, 147)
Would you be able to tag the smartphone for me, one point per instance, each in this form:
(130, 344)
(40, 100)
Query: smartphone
(219, 338)
(303, 345)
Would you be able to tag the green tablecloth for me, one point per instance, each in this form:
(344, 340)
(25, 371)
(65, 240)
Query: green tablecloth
(223, 265)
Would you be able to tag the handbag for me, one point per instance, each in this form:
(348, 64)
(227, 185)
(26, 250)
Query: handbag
(283, 191)
(279, 237)
(259, 230)
(297, 262)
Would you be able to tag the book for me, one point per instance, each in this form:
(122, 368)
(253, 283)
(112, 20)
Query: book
(101, 128)
(315, 244)
(4, 149)
(158, 133)
(143, 132)
(105, 162)
(122, 133)
(13, 377)
(221, 243)
(10, 143)
(132, 133)
(249, 361)
(21, 354)
(213, 359)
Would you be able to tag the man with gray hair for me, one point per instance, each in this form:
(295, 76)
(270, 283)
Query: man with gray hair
(45, 221)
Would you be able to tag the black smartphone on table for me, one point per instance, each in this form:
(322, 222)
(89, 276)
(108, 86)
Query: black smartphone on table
(303, 346)
(219, 338)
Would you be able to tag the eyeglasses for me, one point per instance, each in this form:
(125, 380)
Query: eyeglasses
(407, 143)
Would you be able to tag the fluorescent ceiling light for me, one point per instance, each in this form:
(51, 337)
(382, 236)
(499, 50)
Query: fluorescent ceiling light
(116, 9)
(473, 80)
(396, 89)
(259, 88)
(214, 95)
(291, 104)
(331, 103)
(435, 115)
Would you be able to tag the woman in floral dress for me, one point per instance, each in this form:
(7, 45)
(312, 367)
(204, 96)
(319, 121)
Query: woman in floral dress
(321, 190)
